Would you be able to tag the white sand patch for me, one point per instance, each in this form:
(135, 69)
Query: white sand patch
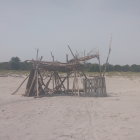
(71, 118)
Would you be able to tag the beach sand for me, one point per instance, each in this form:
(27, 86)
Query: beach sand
(116, 117)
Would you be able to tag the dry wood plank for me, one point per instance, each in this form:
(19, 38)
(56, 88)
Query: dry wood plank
(20, 85)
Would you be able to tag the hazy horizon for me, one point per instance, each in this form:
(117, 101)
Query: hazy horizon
(83, 24)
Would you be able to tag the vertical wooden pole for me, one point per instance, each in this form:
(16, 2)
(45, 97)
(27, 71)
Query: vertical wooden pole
(53, 81)
(37, 73)
(67, 74)
(67, 83)
(100, 69)
(73, 90)
(78, 86)
(53, 77)
(37, 83)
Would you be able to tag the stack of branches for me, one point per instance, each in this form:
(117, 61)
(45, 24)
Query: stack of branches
(58, 66)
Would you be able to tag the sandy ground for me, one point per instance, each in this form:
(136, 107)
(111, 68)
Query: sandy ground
(116, 117)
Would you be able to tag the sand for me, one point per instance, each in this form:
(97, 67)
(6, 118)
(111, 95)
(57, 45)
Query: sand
(116, 117)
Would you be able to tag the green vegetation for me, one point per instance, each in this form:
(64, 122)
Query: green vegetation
(113, 68)
(16, 64)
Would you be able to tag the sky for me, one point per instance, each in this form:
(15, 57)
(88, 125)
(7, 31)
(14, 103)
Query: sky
(51, 25)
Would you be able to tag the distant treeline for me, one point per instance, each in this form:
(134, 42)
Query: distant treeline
(110, 68)
(16, 64)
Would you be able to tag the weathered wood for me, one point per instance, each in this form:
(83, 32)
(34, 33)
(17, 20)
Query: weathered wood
(67, 82)
(54, 82)
(95, 87)
(61, 81)
(29, 91)
(20, 85)
(42, 82)
(37, 83)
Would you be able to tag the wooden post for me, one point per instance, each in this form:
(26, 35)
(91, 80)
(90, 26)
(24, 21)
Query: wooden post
(53, 77)
(73, 89)
(32, 84)
(78, 86)
(67, 74)
(37, 83)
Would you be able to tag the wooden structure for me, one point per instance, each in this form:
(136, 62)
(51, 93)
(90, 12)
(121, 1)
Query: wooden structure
(47, 79)
(95, 87)
(57, 78)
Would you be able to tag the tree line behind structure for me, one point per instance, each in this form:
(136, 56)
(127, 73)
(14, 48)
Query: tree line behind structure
(16, 64)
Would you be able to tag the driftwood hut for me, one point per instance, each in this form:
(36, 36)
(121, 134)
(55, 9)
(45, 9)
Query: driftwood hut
(57, 78)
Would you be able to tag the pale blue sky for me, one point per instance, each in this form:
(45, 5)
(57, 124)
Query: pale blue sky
(83, 24)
